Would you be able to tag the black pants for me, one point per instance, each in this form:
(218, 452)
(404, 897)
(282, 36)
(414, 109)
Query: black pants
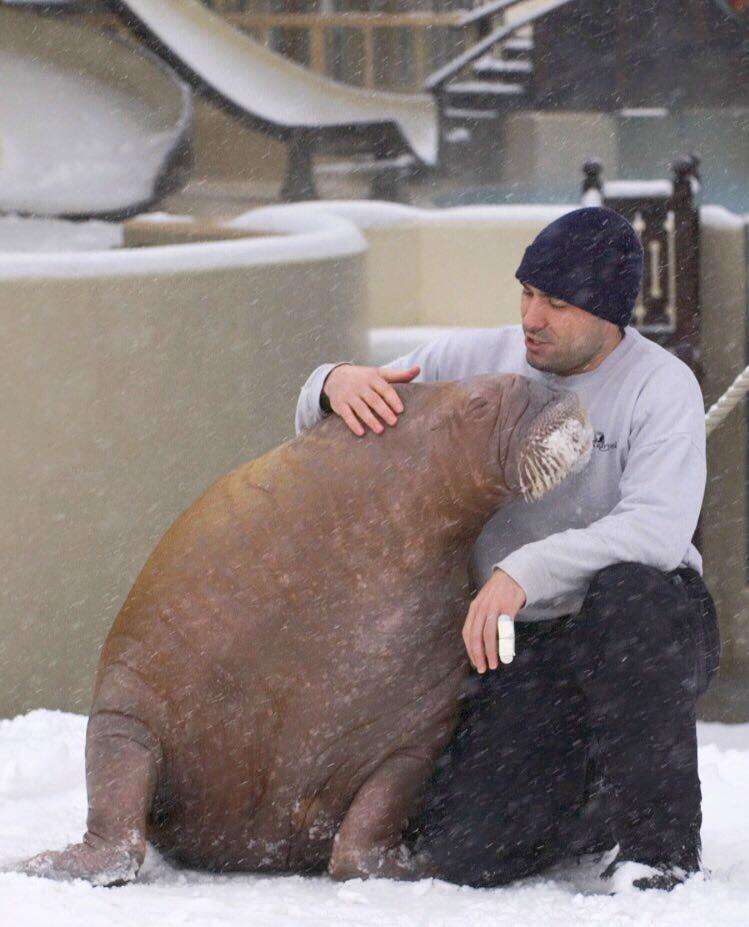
(586, 740)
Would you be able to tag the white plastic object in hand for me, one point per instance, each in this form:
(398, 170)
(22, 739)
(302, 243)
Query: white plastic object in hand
(506, 631)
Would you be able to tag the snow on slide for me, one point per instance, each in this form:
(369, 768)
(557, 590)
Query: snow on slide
(269, 89)
(89, 125)
(43, 805)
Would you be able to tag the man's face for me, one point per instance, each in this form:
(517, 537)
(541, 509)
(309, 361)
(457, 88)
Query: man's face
(560, 338)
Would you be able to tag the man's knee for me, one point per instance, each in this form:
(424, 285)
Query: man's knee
(624, 586)
(631, 601)
(635, 623)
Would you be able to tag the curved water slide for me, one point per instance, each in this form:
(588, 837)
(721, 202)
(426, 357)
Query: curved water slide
(272, 93)
(90, 125)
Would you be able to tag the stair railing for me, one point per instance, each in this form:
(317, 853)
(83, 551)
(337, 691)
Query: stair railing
(436, 81)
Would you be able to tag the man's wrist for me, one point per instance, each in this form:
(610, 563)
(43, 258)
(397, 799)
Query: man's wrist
(521, 597)
(324, 398)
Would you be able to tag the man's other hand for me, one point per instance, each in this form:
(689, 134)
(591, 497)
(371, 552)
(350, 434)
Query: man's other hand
(501, 595)
(360, 394)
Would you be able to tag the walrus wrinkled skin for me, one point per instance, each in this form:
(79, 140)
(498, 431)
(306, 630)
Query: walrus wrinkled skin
(287, 667)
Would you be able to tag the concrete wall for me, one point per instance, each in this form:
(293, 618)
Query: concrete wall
(226, 150)
(545, 151)
(539, 147)
(725, 300)
(131, 381)
(446, 266)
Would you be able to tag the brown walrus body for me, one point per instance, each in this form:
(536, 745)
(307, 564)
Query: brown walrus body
(287, 667)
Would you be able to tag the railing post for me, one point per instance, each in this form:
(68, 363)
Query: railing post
(317, 48)
(592, 170)
(299, 183)
(420, 59)
(687, 241)
(369, 67)
(387, 186)
(484, 28)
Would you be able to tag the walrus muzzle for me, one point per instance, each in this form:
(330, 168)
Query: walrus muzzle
(559, 443)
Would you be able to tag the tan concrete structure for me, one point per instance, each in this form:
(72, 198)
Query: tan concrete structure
(133, 378)
(227, 151)
(538, 147)
(444, 266)
(725, 301)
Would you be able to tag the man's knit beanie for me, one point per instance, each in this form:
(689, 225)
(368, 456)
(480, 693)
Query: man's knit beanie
(591, 258)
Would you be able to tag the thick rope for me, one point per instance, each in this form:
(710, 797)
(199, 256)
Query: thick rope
(720, 410)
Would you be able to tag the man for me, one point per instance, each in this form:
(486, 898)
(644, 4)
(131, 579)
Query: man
(587, 739)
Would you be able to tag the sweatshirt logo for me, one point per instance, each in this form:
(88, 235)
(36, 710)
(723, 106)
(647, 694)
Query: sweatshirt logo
(599, 442)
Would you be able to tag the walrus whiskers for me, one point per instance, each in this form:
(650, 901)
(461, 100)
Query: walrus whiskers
(551, 457)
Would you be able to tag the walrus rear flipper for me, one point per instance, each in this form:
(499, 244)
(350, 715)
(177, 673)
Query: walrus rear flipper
(122, 761)
(370, 839)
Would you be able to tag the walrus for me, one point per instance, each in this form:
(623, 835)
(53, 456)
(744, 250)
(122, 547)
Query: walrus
(287, 668)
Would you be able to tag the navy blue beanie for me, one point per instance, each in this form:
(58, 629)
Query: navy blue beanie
(591, 258)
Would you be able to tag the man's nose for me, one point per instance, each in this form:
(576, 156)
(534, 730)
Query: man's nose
(534, 315)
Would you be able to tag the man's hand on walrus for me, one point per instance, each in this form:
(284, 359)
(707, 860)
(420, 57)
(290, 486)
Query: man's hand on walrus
(500, 595)
(360, 394)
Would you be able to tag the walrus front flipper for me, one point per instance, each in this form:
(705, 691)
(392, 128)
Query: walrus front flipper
(122, 759)
(369, 841)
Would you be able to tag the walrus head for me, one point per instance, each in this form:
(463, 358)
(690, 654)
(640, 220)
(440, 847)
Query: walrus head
(537, 435)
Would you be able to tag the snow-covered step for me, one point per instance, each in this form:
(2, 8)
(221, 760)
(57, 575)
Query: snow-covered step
(491, 65)
(456, 114)
(489, 88)
(525, 32)
(367, 167)
(460, 135)
(490, 68)
(485, 94)
(518, 48)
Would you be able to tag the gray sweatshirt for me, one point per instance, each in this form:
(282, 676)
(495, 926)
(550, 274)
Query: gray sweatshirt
(639, 498)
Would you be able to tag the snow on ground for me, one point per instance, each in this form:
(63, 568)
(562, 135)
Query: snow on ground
(19, 234)
(42, 805)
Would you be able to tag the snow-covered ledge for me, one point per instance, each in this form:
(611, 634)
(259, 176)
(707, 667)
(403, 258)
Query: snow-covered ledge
(132, 378)
(260, 237)
(423, 266)
(724, 283)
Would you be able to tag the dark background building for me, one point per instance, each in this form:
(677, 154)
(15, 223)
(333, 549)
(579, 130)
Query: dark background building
(601, 54)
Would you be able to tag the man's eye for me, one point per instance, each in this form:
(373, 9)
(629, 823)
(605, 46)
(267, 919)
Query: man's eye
(554, 303)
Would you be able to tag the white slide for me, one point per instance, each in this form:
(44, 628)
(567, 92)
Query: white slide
(270, 89)
(89, 125)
